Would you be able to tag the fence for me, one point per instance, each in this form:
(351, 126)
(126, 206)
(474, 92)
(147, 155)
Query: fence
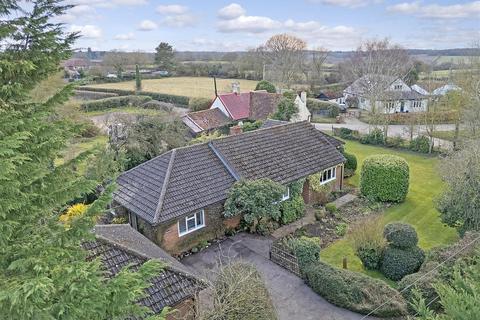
(281, 256)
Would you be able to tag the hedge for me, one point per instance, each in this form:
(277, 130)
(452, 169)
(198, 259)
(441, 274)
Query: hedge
(171, 98)
(419, 117)
(420, 144)
(114, 102)
(93, 95)
(306, 249)
(265, 85)
(158, 105)
(385, 178)
(401, 235)
(354, 291)
(323, 107)
(197, 104)
(350, 165)
(398, 262)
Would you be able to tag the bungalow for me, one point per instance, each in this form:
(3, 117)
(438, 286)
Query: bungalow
(176, 199)
(228, 108)
(385, 93)
(119, 245)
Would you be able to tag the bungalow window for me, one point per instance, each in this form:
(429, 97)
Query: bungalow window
(286, 195)
(191, 223)
(417, 104)
(390, 104)
(328, 175)
(398, 87)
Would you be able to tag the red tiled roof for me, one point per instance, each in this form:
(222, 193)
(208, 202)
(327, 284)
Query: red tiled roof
(209, 119)
(238, 105)
(263, 104)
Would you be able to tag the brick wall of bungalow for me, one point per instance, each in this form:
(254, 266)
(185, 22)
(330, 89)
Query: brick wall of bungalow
(167, 235)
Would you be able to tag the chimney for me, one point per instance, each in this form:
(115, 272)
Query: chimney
(236, 87)
(235, 130)
(303, 96)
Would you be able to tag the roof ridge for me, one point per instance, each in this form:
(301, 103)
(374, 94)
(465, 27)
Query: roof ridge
(164, 186)
(224, 161)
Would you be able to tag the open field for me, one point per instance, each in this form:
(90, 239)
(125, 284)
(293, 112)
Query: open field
(417, 210)
(183, 86)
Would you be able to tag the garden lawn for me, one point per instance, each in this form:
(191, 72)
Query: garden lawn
(183, 86)
(417, 210)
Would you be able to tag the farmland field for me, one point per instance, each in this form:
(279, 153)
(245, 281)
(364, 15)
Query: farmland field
(183, 86)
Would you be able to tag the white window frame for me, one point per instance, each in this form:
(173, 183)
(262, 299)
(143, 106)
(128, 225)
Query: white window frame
(333, 175)
(286, 195)
(190, 217)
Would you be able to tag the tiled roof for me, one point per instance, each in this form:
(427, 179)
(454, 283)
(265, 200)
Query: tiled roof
(263, 104)
(281, 153)
(238, 105)
(272, 123)
(190, 178)
(368, 82)
(168, 288)
(209, 119)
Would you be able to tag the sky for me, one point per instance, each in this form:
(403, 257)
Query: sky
(217, 25)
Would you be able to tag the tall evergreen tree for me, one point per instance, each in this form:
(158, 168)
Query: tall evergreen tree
(164, 56)
(43, 269)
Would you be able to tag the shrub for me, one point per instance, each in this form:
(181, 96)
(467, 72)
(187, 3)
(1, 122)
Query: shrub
(398, 262)
(351, 164)
(401, 235)
(354, 291)
(324, 108)
(292, 209)
(368, 242)
(385, 178)
(341, 229)
(375, 137)
(251, 126)
(88, 129)
(74, 211)
(114, 102)
(257, 200)
(286, 109)
(420, 144)
(306, 249)
(197, 104)
(331, 208)
(395, 142)
(265, 85)
(158, 105)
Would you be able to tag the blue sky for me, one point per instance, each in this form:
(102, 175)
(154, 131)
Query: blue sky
(228, 26)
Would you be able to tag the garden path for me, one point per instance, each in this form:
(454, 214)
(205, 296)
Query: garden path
(343, 200)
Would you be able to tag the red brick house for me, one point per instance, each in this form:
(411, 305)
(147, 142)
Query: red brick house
(176, 199)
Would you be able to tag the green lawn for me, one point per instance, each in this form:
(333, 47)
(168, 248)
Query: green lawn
(320, 119)
(418, 209)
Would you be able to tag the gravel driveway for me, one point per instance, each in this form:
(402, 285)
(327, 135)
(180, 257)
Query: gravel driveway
(291, 297)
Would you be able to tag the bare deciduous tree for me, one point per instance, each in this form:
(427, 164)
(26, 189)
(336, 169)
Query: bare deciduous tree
(118, 60)
(285, 54)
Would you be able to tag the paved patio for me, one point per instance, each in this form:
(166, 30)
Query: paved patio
(292, 298)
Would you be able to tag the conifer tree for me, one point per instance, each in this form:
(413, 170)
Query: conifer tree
(43, 269)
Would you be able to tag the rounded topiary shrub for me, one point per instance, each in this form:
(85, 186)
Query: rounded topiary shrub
(398, 262)
(400, 235)
(385, 178)
(265, 85)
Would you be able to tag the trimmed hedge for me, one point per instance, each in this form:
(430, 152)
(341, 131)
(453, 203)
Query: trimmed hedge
(171, 98)
(398, 262)
(114, 102)
(91, 95)
(158, 105)
(385, 178)
(323, 107)
(420, 144)
(306, 249)
(197, 104)
(354, 291)
(292, 209)
(351, 164)
(401, 235)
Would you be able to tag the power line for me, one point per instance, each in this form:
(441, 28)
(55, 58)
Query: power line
(423, 276)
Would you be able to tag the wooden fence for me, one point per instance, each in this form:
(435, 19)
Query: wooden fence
(281, 256)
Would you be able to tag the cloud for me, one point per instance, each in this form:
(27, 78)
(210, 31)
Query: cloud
(454, 11)
(125, 36)
(232, 11)
(172, 9)
(147, 25)
(347, 3)
(179, 21)
(106, 3)
(87, 31)
(252, 24)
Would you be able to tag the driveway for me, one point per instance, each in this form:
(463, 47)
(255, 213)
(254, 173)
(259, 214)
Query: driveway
(393, 130)
(292, 298)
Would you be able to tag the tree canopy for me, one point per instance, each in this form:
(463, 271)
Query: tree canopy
(164, 56)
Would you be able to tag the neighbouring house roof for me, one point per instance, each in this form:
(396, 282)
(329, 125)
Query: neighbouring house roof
(263, 104)
(272, 123)
(237, 104)
(75, 62)
(329, 95)
(206, 119)
(445, 89)
(187, 179)
(118, 246)
(419, 89)
(366, 83)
